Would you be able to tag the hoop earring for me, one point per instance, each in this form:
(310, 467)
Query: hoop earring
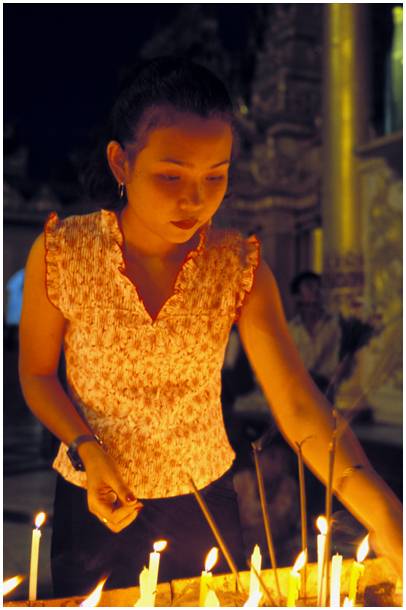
(121, 190)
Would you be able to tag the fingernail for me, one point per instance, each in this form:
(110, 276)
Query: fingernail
(130, 497)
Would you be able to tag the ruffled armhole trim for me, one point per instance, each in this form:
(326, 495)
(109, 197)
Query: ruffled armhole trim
(252, 259)
(52, 255)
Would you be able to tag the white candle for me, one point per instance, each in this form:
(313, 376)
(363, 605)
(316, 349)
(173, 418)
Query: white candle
(256, 562)
(36, 538)
(294, 580)
(335, 582)
(321, 546)
(153, 569)
(357, 569)
(145, 599)
(212, 601)
(206, 576)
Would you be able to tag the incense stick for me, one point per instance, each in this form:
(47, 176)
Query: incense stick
(217, 535)
(324, 585)
(303, 512)
(265, 516)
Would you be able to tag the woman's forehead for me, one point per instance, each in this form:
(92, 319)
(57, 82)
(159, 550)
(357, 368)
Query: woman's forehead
(190, 135)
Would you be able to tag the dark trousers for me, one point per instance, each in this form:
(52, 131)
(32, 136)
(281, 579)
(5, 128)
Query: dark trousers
(84, 550)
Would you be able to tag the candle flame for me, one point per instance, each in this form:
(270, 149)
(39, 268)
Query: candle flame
(363, 549)
(211, 559)
(321, 523)
(40, 520)
(160, 545)
(94, 597)
(347, 603)
(300, 561)
(10, 584)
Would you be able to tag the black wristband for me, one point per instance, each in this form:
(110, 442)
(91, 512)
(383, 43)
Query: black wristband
(72, 451)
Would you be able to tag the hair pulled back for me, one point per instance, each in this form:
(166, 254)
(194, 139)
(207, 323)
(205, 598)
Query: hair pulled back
(164, 82)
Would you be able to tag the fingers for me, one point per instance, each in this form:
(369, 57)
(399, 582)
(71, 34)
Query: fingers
(117, 517)
(117, 525)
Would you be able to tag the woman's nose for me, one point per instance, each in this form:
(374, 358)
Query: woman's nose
(192, 196)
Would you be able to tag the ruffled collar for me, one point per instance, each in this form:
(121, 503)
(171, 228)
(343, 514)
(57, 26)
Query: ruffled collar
(110, 221)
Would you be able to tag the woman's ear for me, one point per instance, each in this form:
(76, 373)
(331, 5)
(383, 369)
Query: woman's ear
(117, 160)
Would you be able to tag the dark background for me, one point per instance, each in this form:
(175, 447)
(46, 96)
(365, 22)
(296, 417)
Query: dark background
(63, 63)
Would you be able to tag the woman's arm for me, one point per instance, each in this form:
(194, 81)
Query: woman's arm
(301, 411)
(42, 329)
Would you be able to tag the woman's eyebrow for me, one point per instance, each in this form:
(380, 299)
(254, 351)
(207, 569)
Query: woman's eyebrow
(186, 164)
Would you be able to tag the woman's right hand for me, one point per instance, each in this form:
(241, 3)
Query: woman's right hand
(108, 497)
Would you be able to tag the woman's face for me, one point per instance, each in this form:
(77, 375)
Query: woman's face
(176, 183)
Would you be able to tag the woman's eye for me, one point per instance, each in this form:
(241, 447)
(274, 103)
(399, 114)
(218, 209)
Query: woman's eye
(215, 178)
(169, 177)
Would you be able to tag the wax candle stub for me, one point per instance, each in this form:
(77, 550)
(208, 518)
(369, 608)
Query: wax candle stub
(357, 569)
(294, 580)
(256, 562)
(206, 576)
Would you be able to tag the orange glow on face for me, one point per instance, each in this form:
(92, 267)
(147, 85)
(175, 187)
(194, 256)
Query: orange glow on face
(94, 597)
(300, 561)
(40, 520)
(160, 545)
(211, 559)
(322, 525)
(10, 584)
(363, 549)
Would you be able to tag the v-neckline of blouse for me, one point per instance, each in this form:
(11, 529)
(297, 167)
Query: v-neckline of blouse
(118, 238)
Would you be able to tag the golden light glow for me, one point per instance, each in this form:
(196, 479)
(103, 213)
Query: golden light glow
(211, 559)
(300, 561)
(160, 545)
(363, 549)
(347, 603)
(10, 584)
(321, 523)
(94, 597)
(40, 520)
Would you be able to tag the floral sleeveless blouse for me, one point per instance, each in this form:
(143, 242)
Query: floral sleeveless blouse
(150, 389)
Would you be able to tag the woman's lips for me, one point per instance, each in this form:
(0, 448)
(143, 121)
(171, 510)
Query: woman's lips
(185, 224)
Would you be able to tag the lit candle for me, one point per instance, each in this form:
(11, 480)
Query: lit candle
(153, 568)
(347, 603)
(206, 575)
(256, 561)
(335, 582)
(94, 597)
(321, 547)
(294, 580)
(36, 537)
(212, 601)
(357, 569)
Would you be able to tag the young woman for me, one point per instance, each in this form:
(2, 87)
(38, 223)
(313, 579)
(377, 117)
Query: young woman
(142, 298)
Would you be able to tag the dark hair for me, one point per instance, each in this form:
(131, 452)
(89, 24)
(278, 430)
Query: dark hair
(171, 83)
(304, 276)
